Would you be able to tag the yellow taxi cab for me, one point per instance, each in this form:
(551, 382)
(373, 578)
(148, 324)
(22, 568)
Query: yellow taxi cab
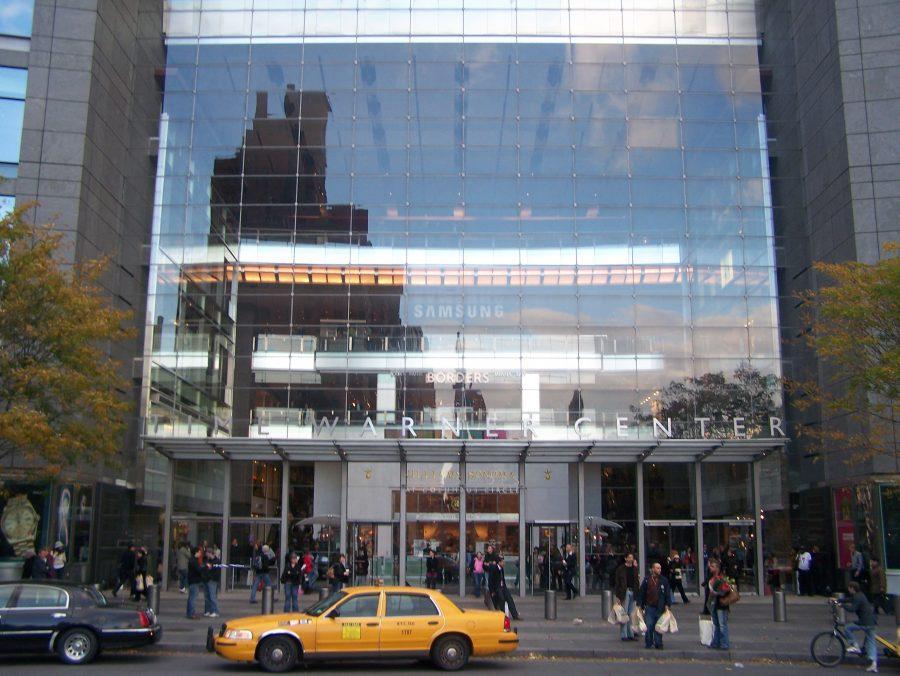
(366, 623)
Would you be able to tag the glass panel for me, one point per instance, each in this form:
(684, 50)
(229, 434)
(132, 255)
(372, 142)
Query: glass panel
(16, 17)
(668, 491)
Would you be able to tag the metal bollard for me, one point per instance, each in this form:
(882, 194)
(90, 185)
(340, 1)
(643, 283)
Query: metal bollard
(268, 600)
(607, 603)
(779, 606)
(153, 598)
(549, 604)
(324, 593)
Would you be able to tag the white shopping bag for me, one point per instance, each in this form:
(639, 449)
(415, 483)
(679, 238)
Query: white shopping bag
(638, 626)
(666, 623)
(617, 615)
(706, 630)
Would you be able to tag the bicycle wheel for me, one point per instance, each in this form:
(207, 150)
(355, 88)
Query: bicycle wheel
(828, 649)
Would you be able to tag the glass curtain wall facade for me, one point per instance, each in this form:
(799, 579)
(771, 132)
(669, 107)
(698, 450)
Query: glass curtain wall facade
(463, 220)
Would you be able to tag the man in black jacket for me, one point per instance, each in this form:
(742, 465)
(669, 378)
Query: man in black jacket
(195, 581)
(865, 623)
(499, 591)
(126, 570)
(653, 599)
(570, 561)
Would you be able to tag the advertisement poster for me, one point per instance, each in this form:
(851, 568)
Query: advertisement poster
(843, 525)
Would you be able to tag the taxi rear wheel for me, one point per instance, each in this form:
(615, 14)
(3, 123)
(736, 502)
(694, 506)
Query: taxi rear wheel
(277, 653)
(450, 653)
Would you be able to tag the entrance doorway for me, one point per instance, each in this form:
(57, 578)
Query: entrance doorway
(373, 554)
(545, 544)
(662, 537)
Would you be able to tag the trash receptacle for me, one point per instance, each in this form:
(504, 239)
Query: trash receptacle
(779, 606)
(607, 604)
(549, 604)
(268, 600)
(153, 598)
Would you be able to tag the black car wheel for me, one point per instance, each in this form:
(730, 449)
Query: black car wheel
(450, 653)
(277, 653)
(77, 646)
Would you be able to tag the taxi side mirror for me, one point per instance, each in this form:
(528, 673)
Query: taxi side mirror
(334, 614)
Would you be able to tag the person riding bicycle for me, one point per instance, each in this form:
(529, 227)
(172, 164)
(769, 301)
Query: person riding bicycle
(865, 622)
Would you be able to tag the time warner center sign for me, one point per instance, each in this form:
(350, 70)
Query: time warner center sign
(584, 427)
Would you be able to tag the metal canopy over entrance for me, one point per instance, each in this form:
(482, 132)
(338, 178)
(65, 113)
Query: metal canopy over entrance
(446, 450)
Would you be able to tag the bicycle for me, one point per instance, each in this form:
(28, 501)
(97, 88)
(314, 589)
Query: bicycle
(829, 648)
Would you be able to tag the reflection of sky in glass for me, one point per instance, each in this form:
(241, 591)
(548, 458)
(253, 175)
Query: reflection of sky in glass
(6, 204)
(15, 17)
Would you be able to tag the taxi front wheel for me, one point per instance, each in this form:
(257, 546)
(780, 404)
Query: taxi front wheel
(450, 653)
(277, 653)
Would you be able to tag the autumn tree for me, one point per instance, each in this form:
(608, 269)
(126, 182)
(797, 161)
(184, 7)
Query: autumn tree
(58, 401)
(853, 326)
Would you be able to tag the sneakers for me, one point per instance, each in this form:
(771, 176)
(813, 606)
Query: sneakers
(873, 668)
(853, 650)
(206, 614)
(213, 615)
(182, 591)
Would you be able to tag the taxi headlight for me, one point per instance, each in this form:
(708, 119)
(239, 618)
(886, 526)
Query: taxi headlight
(239, 634)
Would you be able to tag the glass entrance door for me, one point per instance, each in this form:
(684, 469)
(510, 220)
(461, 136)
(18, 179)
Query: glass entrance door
(546, 543)
(373, 557)
(664, 537)
(734, 542)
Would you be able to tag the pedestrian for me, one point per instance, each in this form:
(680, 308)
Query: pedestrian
(865, 622)
(431, 569)
(653, 600)
(141, 566)
(556, 561)
(626, 588)
(858, 571)
(182, 557)
(59, 561)
(490, 562)
(499, 591)
(676, 576)
(817, 569)
(719, 588)
(804, 572)
(126, 570)
(195, 581)
(310, 572)
(478, 572)
(41, 567)
(570, 568)
(878, 587)
(292, 579)
(338, 574)
(211, 574)
(262, 566)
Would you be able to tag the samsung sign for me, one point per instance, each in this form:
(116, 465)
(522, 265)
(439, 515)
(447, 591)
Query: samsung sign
(457, 311)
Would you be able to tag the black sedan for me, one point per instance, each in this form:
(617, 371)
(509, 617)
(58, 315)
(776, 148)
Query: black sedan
(75, 621)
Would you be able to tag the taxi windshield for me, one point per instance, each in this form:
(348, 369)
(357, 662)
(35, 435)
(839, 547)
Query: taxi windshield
(318, 608)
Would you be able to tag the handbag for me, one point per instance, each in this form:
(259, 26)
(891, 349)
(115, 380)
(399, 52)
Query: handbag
(706, 630)
(638, 626)
(732, 597)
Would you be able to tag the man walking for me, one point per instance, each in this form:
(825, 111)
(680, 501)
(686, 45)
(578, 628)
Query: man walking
(865, 623)
(126, 570)
(195, 581)
(498, 589)
(676, 576)
(570, 561)
(626, 586)
(182, 558)
(653, 599)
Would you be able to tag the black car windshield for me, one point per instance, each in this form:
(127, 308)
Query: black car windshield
(317, 609)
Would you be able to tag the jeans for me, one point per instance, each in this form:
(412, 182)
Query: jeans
(291, 602)
(625, 629)
(336, 586)
(871, 646)
(266, 580)
(193, 590)
(652, 639)
(211, 603)
(479, 583)
(182, 579)
(720, 629)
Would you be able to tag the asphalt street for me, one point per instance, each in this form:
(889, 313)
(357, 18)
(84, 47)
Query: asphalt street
(158, 662)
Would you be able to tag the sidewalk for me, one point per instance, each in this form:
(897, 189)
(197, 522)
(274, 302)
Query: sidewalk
(754, 634)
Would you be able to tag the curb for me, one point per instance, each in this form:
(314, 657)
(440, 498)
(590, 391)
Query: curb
(525, 652)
